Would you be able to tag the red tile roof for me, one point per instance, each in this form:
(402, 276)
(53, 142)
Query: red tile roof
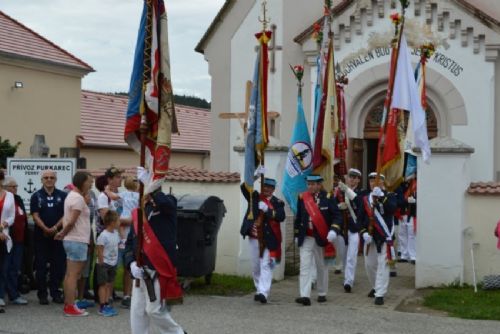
(185, 174)
(19, 40)
(103, 120)
(484, 188)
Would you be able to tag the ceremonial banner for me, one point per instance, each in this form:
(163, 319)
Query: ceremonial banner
(257, 135)
(406, 97)
(299, 159)
(391, 138)
(151, 92)
(325, 105)
(340, 166)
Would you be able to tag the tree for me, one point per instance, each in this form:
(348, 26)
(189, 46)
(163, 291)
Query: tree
(7, 150)
(185, 100)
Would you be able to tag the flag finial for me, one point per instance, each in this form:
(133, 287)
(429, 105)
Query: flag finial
(264, 19)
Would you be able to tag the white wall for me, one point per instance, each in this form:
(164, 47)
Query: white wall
(482, 215)
(441, 219)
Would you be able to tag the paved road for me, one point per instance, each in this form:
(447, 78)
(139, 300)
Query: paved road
(343, 313)
(241, 315)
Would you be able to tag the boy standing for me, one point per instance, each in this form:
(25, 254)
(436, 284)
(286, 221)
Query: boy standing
(107, 259)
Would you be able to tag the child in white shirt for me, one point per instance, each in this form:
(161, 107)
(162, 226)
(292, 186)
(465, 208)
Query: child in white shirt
(107, 259)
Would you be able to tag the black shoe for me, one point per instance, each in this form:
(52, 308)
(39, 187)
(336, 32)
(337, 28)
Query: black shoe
(43, 301)
(412, 261)
(256, 297)
(379, 300)
(337, 272)
(116, 297)
(303, 300)
(321, 299)
(88, 295)
(125, 302)
(403, 261)
(58, 299)
(393, 274)
(262, 298)
(372, 293)
(347, 288)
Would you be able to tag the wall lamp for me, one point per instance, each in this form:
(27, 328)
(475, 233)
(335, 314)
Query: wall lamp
(18, 84)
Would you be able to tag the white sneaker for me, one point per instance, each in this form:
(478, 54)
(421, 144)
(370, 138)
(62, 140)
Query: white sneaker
(20, 301)
(2, 302)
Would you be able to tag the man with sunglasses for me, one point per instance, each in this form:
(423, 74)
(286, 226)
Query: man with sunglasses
(47, 208)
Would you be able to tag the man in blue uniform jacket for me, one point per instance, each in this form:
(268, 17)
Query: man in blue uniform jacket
(261, 224)
(158, 257)
(377, 232)
(317, 213)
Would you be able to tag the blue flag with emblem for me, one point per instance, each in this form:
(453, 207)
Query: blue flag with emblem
(299, 159)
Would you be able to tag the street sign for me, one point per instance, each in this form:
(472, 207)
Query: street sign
(28, 172)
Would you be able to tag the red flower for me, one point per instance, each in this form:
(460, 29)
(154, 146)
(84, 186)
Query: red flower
(396, 18)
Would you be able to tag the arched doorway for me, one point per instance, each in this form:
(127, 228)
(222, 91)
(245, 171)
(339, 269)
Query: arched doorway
(364, 151)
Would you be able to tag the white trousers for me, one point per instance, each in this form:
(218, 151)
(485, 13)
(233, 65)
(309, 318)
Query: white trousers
(348, 255)
(311, 253)
(406, 238)
(144, 314)
(377, 269)
(261, 270)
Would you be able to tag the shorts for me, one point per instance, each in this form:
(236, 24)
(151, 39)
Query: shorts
(121, 257)
(105, 273)
(75, 251)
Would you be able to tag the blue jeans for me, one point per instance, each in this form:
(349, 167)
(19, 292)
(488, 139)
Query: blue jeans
(10, 271)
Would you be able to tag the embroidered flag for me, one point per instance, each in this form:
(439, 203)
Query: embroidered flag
(299, 159)
(150, 92)
(257, 136)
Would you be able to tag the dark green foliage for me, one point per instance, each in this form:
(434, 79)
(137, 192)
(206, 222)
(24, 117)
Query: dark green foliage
(185, 100)
(7, 150)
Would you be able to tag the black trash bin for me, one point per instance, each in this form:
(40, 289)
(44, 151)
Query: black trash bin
(198, 221)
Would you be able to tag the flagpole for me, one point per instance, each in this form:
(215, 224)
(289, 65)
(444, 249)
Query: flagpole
(143, 134)
(388, 100)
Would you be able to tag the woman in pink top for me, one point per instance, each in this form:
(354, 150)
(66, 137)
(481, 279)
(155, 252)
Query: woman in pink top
(76, 237)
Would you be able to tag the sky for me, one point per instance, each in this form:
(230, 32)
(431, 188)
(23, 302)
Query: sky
(103, 33)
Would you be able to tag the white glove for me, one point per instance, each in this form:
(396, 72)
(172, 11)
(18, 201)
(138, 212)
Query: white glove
(351, 194)
(136, 271)
(342, 206)
(263, 206)
(377, 192)
(412, 200)
(331, 236)
(296, 241)
(260, 170)
(367, 238)
(342, 186)
(143, 175)
(272, 263)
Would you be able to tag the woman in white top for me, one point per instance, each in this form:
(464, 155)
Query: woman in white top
(76, 237)
(7, 215)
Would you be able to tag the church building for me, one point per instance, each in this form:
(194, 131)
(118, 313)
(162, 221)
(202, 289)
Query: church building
(463, 92)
